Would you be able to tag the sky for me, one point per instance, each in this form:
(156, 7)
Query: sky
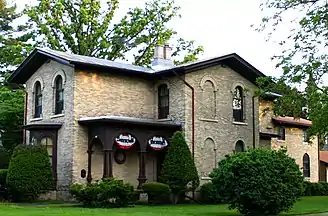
(221, 26)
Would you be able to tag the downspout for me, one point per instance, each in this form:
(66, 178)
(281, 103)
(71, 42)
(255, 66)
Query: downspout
(25, 117)
(253, 112)
(192, 114)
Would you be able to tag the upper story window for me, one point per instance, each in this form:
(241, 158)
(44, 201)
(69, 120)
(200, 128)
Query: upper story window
(238, 104)
(163, 101)
(305, 136)
(59, 95)
(281, 133)
(306, 165)
(37, 100)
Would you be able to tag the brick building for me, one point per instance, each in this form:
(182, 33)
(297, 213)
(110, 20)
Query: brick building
(100, 118)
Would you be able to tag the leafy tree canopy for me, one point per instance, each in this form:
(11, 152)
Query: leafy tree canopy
(85, 27)
(303, 59)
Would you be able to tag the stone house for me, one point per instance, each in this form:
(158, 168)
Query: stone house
(100, 118)
(290, 133)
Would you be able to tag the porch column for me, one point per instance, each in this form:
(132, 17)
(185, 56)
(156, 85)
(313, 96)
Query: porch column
(89, 177)
(108, 166)
(142, 167)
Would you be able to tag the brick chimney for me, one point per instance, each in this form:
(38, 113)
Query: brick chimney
(162, 57)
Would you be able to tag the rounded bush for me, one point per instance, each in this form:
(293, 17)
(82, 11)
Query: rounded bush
(157, 192)
(29, 173)
(106, 193)
(209, 194)
(259, 182)
(315, 188)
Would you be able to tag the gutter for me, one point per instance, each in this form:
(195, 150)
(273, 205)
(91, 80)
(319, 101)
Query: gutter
(253, 113)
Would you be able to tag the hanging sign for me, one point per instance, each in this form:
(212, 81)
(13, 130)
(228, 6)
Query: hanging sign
(157, 143)
(125, 141)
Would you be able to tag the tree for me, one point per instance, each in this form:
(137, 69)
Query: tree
(29, 172)
(303, 59)
(82, 27)
(11, 117)
(15, 43)
(178, 167)
(258, 182)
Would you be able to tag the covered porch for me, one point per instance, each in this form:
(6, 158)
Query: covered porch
(131, 149)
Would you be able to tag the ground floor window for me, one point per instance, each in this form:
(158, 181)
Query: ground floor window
(47, 142)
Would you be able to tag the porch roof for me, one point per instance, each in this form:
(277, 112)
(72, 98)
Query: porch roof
(129, 120)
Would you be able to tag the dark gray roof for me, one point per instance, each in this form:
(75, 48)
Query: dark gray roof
(74, 58)
(40, 55)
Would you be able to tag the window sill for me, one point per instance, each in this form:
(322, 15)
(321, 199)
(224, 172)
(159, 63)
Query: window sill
(282, 141)
(209, 120)
(305, 143)
(57, 116)
(164, 119)
(240, 123)
(36, 119)
(206, 178)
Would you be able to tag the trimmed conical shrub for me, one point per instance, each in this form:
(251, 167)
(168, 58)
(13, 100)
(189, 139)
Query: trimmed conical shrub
(179, 168)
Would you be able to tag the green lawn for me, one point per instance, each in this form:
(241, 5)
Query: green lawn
(306, 205)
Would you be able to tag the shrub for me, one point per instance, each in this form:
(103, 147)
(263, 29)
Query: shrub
(259, 182)
(157, 192)
(315, 188)
(178, 167)
(4, 158)
(29, 172)
(106, 193)
(4, 192)
(209, 194)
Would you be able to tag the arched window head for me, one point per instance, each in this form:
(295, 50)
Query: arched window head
(37, 100)
(240, 147)
(238, 104)
(59, 95)
(306, 165)
(163, 101)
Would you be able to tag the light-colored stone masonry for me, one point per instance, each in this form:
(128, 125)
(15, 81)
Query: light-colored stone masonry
(296, 148)
(216, 136)
(108, 94)
(46, 74)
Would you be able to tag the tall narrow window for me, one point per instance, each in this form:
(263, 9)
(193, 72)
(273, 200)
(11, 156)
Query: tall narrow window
(238, 105)
(37, 100)
(306, 165)
(59, 103)
(281, 133)
(163, 101)
(240, 147)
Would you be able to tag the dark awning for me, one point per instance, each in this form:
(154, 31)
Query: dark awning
(128, 120)
(43, 126)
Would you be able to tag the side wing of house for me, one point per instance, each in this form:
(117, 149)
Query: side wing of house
(278, 132)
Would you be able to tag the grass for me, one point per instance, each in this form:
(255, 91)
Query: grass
(305, 206)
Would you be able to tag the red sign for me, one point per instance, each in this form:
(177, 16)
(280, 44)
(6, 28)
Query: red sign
(157, 143)
(125, 141)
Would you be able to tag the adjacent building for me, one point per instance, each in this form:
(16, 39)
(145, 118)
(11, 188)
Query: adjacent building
(100, 118)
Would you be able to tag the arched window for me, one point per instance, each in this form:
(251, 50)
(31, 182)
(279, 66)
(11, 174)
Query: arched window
(163, 101)
(59, 95)
(37, 100)
(240, 147)
(47, 142)
(306, 165)
(238, 104)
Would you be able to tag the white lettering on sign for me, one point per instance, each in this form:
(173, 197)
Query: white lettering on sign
(157, 143)
(125, 141)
